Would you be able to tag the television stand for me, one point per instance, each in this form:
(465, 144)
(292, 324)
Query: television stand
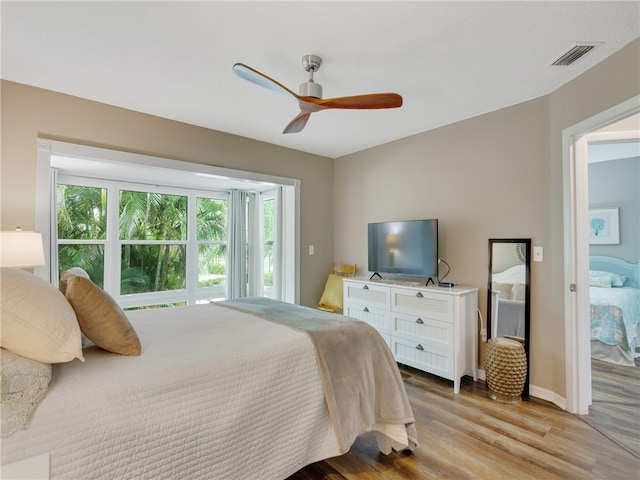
(429, 280)
(375, 274)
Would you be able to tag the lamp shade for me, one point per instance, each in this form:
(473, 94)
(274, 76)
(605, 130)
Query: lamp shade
(21, 249)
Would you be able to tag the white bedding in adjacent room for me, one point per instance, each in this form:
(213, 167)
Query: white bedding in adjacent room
(216, 393)
(614, 309)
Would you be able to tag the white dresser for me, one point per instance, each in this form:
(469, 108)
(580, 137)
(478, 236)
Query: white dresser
(433, 329)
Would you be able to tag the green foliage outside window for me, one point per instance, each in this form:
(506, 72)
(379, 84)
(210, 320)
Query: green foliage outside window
(153, 230)
(155, 217)
(82, 215)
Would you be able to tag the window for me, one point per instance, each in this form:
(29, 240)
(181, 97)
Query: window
(153, 231)
(269, 244)
(212, 244)
(144, 244)
(153, 241)
(82, 228)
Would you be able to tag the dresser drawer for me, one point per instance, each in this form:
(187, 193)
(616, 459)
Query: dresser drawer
(369, 294)
(429, 359)
(429, 332)
(423, 303)
(377, 318)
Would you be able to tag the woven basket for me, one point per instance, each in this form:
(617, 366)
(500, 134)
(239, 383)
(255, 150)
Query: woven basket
(506, 369)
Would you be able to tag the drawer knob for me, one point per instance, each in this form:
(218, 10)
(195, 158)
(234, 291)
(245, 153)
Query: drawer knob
(419, 295)
(366, 287)
(365, 309)
(419, 347)
(420, 321)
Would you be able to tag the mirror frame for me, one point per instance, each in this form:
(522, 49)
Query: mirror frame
(527, 298)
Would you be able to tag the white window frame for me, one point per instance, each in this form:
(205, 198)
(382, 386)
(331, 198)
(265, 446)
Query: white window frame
(192, 293)
(275, 196)
(49, 150)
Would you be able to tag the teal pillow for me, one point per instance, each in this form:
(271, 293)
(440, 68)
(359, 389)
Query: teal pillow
(617, 280)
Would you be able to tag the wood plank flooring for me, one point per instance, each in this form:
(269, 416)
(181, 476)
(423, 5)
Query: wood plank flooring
(615, 410)
(469, 436)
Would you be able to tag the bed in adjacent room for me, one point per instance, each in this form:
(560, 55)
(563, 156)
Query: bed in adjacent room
(614, 300)
(252, 388)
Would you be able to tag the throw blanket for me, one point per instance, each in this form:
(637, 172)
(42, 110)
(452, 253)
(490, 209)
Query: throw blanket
(615, 313)
(511, 318)
(24, 385)
(362, 383)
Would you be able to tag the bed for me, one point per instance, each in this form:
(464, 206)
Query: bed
(508, 301)
(614, 300)
(252, 388)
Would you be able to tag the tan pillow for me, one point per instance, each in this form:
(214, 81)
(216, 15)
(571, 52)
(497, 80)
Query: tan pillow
(37, 322)
(67, 274)
(332, 295)
(100, 318)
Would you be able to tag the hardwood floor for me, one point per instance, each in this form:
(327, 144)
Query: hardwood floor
(469, 436)
(615, 410)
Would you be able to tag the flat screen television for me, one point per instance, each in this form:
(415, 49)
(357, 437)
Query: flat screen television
(404, 248)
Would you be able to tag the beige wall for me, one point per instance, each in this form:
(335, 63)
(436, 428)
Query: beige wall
(496, 175)
(483, 178)
(30, 112)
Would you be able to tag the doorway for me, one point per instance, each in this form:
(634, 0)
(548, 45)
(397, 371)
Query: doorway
(576, 242)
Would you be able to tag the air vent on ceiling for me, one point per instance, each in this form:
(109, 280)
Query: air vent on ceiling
(574, 53)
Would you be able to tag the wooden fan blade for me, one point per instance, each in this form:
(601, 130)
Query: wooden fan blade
(254, 76)
(369, 101)
(297, 124)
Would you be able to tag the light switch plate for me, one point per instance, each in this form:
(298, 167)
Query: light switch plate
(537, 254)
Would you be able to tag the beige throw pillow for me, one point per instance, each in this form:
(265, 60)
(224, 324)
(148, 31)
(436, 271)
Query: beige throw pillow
(100, 318)
(36, 321)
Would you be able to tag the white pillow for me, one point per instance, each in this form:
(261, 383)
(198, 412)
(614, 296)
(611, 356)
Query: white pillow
(599, 279)
(37, 321)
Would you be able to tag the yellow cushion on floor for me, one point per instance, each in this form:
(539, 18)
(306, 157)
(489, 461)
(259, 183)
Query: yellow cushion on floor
(332, 296)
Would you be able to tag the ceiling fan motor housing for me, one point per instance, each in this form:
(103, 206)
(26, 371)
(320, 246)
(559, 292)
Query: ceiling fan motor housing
(311, 89)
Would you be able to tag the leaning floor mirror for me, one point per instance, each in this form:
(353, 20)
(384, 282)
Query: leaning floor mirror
(508, 298)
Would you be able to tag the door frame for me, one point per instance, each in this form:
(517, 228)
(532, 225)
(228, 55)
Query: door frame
(576, 250)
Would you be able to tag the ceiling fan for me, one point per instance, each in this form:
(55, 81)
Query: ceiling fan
(310, 99)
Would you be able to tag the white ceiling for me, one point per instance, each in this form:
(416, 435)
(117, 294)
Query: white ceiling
(449, 60)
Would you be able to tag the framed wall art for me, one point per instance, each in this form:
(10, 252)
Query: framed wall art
(604, 226)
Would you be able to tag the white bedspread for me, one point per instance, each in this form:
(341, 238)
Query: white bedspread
(187, 407)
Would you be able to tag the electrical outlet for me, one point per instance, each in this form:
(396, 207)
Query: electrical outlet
(483, 334)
